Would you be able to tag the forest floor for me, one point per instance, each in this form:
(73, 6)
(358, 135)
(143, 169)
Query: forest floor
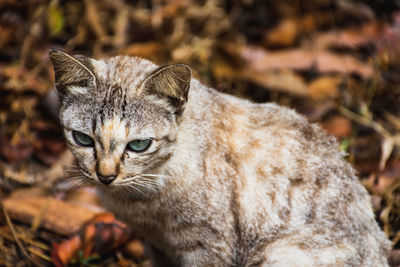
(335, 61)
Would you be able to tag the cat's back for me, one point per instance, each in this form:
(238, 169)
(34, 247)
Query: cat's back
(272, 135)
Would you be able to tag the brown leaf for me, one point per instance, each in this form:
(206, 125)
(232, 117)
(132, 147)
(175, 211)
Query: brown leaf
(282, 80)
(135, 249)
(284, 35)
(110, 235)
(101, 235)
(19, 79)
(382, 180)
(63, 252)
(352, 37)
(337, 126)
(60, 217)
(261, 60)
(379, 182)
(345, 64)
(17, 152)
(149, 50)
(325, 87)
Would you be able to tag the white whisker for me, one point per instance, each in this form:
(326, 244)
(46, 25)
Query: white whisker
(141, 182)
(138, 181)
(134, 187)
(154, 175)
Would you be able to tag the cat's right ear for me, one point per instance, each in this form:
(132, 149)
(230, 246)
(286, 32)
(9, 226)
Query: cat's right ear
(72, 73)
(171, 82)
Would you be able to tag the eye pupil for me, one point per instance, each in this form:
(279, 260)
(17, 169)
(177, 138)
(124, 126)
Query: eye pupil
(139, 145)
(82, 139)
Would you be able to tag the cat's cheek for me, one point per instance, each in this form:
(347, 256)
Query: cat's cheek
(129, 168)
(85, 158)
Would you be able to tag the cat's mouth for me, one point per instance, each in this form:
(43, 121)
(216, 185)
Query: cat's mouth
(141, 183)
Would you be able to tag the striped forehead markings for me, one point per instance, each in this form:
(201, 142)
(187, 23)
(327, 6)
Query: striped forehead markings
(113, 101)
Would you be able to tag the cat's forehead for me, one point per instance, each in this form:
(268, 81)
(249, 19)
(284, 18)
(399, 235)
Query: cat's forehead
(122, 72)
(136, 111)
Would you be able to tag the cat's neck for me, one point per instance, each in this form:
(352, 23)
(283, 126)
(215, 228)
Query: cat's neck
(194, 132)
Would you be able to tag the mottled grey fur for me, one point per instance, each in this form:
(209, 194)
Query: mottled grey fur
(225, 182)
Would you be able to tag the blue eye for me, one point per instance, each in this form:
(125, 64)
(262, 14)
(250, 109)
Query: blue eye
(139, 145)
(82, 139)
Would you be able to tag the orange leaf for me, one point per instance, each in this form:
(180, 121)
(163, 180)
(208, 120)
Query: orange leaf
(65, 251)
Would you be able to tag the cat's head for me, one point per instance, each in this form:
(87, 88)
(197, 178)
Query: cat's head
(120, 116)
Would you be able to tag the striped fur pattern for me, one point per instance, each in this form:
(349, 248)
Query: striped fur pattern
(225, 182)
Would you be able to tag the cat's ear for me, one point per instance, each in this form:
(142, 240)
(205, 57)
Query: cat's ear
(73, 74)
(171, 82)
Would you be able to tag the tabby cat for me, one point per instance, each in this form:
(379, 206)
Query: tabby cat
(207, 179)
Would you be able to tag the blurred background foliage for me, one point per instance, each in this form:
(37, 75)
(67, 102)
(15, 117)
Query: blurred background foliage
(335, 61)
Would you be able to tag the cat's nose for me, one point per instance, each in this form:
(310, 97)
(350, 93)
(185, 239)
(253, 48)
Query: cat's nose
(106, 179)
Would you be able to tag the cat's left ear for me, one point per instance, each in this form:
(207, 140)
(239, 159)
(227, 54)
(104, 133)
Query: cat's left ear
(73, 73)
(171, 82)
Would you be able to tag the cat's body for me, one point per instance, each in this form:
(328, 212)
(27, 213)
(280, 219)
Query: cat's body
(226, 182)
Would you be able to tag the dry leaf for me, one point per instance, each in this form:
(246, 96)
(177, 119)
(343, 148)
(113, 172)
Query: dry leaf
(20, 79)
(337, 126)
(18, 152)
(282, 80)
(63, 252)
(60, 217)
(284, 34)
(101, 235)
(352, 37)
(135, 249)
(261, 60)
(325, 87)
(149, 50)
(378, 183)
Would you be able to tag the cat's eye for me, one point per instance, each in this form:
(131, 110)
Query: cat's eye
(139, 145)
(82, 139)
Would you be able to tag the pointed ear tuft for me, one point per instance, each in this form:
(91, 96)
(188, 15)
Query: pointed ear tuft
(73, 74)
(171, 82)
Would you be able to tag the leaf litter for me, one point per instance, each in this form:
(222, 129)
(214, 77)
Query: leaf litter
(336, 62)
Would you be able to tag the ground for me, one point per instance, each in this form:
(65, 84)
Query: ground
(336, 62)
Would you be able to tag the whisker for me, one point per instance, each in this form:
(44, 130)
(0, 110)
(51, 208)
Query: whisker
(138, 182)
(154, 175)
(151, 183)
(134, 187)
(145, 176)
(75, 184)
